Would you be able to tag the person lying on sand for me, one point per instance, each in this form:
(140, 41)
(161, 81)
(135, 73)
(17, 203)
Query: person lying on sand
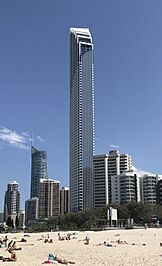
(23, 240)
(134, 244)
(53, 259)
(63, 261)
(106, 244)
(121, 241)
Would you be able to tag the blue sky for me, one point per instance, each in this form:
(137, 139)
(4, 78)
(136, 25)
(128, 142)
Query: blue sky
(34, 82)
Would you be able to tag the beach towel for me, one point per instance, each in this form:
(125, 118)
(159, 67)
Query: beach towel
(50, 262)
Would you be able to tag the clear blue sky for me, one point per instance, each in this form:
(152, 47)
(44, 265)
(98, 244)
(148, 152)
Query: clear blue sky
(34, 82)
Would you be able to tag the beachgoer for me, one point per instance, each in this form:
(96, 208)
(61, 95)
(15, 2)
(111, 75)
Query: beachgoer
(23, 240)
(75, 235)
(12, 258)
(61, 237)
(100, 244)
(87, 239)
(53, 259)
(68, 237)
(105, 244)
(63, 261)
(5, 241)
(9, 244)
(13, 247)
(121, 241)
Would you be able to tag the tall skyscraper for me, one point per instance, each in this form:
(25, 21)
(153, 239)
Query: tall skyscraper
(11, 201)
(49, 198)
(38, 170)
(81, 119)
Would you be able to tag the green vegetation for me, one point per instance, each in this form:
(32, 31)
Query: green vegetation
(10, 222)
(97, 218)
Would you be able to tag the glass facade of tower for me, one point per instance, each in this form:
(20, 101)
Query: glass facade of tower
(81, 119)
(38, 170)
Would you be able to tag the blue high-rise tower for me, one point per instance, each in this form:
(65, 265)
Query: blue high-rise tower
(38, 170)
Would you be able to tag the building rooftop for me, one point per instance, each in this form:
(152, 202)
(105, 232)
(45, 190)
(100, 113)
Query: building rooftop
(80, 30)
(65, 188)
(44, 180)
(13, 182)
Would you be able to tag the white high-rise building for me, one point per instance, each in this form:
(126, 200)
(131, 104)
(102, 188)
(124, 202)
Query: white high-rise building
(118, 163)
(125, 188)
(159, 191)
(125, 163)
(148, 188)
(81, 119)
(106, 166)
(11, 201)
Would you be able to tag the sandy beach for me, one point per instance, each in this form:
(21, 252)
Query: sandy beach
(143, 248)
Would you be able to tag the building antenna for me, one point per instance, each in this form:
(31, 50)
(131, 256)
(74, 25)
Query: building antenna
(31, 140)
(31, 143)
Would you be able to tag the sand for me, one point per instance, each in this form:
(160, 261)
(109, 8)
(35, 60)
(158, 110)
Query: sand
(120, 255)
